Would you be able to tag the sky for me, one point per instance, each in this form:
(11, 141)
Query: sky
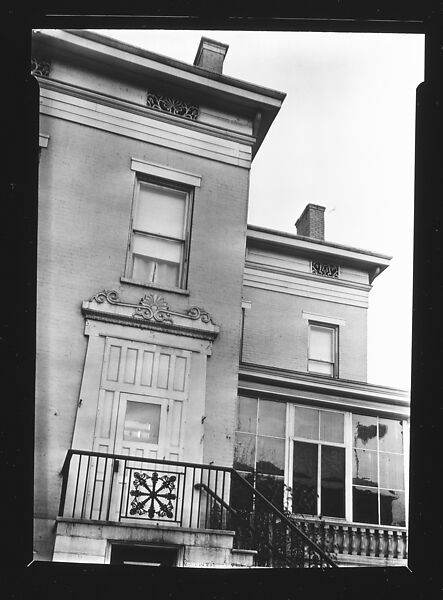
(344, 139)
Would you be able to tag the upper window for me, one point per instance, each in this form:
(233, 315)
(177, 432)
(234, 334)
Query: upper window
(322, 349)
(159, 238)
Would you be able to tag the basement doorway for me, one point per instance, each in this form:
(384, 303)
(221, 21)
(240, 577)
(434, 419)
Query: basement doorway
(148, 556)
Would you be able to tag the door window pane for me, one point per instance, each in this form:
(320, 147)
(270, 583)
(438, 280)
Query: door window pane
(142, 422)
(365, 505)
(391, 471)
(244, 453)
(306, 423)
(271, 418)
(390, 435)
(392, 508)
(332, 481)
(270, 455)
(364, 468)
(364, 432)
(247, 414)
(304, 478)
(160, 210)
(332, 426)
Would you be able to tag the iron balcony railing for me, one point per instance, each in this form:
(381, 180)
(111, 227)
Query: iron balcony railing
(117, 488)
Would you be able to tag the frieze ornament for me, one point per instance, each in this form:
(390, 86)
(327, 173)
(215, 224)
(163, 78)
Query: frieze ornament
(153, 307)
(171, 105)
(40, 66)
(325, 269)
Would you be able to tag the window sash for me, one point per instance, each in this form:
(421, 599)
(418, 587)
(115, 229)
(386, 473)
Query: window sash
(322, 349)
(391, 504)
(146, 262)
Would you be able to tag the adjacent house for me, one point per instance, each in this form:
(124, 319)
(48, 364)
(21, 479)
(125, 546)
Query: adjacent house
(201, 383)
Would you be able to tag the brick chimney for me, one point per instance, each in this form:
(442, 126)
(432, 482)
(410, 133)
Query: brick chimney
(210, 55)
(311, 222)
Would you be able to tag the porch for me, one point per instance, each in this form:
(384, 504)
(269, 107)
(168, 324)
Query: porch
(111, 499)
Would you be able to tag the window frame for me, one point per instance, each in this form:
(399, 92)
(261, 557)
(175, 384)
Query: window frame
(348, 446)
(335, 348)
(165, 184)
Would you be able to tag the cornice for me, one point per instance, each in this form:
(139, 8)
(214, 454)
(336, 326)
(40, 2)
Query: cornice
(152, 312)
(365, 287)
(302, 381)
(144, 111)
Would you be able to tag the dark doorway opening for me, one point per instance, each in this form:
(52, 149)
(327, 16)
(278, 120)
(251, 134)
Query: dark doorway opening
(149, 556)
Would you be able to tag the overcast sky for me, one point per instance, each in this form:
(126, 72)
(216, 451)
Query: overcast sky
(343, 139)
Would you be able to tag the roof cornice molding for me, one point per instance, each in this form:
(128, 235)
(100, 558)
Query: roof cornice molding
(347, 388)
(138, 109)
(286, 242)
(112, 50)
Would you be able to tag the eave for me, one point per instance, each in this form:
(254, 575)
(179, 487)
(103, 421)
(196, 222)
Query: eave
(372, 262)
(292, 385)
(262, 104)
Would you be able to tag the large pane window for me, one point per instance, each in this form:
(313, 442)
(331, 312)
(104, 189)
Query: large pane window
(378, 471)
(158, 247)
(260, 449)
(318, 467)
(322, 349)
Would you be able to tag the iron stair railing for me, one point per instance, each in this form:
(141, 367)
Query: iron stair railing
(106, 487)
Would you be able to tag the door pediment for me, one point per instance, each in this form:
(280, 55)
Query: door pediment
(152, 312)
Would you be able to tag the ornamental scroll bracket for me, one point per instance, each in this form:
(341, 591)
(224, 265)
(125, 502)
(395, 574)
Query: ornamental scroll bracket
(325, 269)
(152, 312)
(40, 66)
(171, 105)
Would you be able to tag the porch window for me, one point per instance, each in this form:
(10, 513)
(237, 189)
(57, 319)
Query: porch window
(378, 471)
(260, 449)
(318, 468)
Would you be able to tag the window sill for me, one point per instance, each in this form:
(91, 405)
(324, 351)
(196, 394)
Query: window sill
(152, 286)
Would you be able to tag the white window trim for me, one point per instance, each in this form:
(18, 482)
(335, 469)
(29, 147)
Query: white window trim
(335, 340)
(323, 319)
(153, 175)
(167, 173)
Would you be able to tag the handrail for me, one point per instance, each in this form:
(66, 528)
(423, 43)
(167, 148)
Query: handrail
(286, 520)
(272, 509)
(180, 463)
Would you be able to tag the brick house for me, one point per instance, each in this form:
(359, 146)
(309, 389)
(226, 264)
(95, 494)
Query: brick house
(201, 384)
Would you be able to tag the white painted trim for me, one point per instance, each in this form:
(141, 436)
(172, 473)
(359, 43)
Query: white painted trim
(43, 140)
(344, 404)
(353, 254)
(300, 287)
(145, 126)
(322, 318)
(133, 60)
(155, 170)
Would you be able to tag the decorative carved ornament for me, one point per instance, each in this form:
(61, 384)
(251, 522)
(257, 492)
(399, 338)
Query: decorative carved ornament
(325, 269)
(40, 66)
(153, 307)
(153, 495)
(173, 106)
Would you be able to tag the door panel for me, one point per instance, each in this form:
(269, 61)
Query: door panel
(141, 411)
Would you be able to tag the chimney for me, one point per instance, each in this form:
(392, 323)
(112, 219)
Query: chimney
(311, 222)
(210, 55)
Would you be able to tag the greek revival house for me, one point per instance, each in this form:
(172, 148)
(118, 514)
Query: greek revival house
(202, 397)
